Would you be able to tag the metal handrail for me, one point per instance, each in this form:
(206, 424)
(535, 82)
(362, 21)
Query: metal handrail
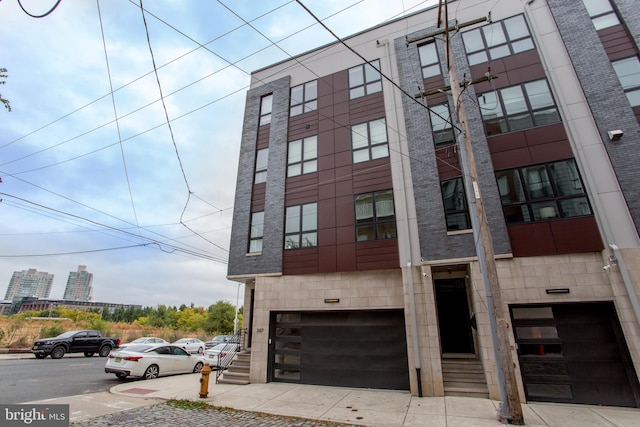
(224, 362)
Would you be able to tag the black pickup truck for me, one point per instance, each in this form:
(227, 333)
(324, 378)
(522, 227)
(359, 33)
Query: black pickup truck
(86, 341)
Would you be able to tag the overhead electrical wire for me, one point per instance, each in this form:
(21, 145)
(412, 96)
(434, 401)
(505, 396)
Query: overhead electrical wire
(39, 16)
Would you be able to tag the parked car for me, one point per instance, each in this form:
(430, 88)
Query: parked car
(221, 355)
(88, 342)
(150, 361)
(192, 345)
(219, 339)
(144, 340)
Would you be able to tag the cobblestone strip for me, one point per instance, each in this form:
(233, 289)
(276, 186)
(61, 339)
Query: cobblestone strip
(170, 414)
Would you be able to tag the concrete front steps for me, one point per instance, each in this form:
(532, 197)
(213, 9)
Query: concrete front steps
(464, 377)
(238, 371)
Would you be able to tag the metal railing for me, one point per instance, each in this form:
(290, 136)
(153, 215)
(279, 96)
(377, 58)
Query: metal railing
(227, 354)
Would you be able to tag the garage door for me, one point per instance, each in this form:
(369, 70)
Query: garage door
(339, 348)
(574, 353)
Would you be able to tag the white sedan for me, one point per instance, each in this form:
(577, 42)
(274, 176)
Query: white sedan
(150, 361)
(220, 356)
(192, 345)
(144, 340)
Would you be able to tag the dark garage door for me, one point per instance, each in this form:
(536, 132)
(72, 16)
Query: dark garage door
(574, 353)
(340, 348)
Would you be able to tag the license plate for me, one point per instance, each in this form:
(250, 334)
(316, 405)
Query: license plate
(211, 356)
(118, 359)
(35, 347)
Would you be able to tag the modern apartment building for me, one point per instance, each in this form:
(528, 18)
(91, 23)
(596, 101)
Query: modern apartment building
(79, 285)
(29, 283)
(352, 228)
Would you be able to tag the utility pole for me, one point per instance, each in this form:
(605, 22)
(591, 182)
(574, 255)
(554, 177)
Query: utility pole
(511, 409)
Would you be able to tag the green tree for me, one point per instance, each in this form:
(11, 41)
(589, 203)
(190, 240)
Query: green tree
(3, 76)
(220, 317)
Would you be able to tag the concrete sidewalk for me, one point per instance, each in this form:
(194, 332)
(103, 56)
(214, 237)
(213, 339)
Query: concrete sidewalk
(366, 407)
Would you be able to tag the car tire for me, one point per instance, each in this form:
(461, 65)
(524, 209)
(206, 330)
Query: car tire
(58, 352)
(88, 354)
(40, 356)
(121, 375)
(200, 350)
(104, 351)
(198, 367)
(151, 373)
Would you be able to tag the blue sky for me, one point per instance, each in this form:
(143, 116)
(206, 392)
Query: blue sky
(146, 206)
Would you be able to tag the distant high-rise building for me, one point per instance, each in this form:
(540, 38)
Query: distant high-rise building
(79, 285)
(29, 283)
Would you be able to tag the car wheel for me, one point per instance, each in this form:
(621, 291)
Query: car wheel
(121, 375)
(198, 368)
(104, 351)
(200, 350)
(57, 352)
(152, 372)
(40, 356)
(88, 354)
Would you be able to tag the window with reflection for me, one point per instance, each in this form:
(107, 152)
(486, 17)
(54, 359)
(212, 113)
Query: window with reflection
(497, 40)
(262, 157)
(455, 204)
(365, 79)
(542, 192)
(601, 13)
(628, 72)
(302, 156)
(369, 141)
(301, 226)
(518, 107)
(266, 104)
(256, 232)
(429, 61)
(441, 124)
(375, 216)
(304, 98)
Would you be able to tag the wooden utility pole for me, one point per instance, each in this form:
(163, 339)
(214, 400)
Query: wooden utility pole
(511, 409)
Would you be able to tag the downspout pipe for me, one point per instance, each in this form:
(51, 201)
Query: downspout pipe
(414, 327)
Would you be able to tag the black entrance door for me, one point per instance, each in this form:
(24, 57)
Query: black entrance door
(453, 316)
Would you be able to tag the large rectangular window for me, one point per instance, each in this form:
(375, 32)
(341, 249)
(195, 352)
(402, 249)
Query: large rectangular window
(262, 158)
(601, 13)
(497, 40)
(304, 98)
(375, 216)
(518, 107)
(302, 156)
(628, 72)
(266, 104)
(542, 192)
(441, 124)
(257, 232)
(301, 226)
(429, 61)
(369, 141)
(365, 79)
(455, 204)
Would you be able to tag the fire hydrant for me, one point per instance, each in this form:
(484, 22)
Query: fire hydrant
(204, 380)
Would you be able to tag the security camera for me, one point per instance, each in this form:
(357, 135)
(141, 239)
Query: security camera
(606, 267)
(615, 135)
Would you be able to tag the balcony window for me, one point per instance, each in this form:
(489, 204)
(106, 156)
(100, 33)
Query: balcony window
(441, 124)
(266, 103)
(429, 61)
(365, 79)
(262, 158)
(375, 216)
(302, 157)
(301, 226)
(455, 204)
(257, 232)
(601, 13)
(497, 40)
(304, 98)
(369, 141)
(628, 72)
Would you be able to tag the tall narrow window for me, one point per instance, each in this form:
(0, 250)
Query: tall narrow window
(497, 40)
(369, 141)
(262, 158)
(303, 156)
(601, 13)
(375, 216)
(257, 232)
(365, 79)
(429, 61)
(441, 124)
(266, 103)
(628, 71)
(455, 204)
(304, 98)
(301, 226)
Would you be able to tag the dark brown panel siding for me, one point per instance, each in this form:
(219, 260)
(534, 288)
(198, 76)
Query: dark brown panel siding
(511, 70)
(617, 43)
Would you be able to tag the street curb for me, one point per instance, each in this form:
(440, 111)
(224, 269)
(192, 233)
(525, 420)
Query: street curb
(14, 350)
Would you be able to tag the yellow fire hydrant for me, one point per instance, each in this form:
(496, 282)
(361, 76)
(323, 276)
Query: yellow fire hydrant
(204, 380)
